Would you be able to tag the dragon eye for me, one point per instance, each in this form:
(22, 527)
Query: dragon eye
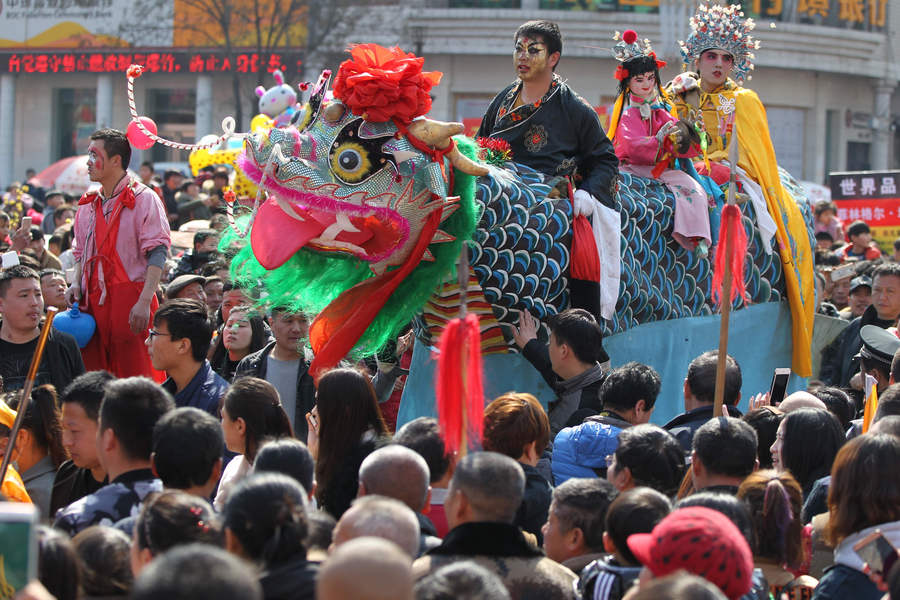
(350, 162)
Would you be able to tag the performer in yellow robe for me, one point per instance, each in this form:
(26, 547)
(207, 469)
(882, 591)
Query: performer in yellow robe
(720, 46)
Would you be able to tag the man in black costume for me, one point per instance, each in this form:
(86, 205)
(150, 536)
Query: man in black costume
(555, 131)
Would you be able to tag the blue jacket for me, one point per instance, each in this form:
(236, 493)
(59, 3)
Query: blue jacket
(845, 578)
(203, 392)
(841, 581)
(581, 451)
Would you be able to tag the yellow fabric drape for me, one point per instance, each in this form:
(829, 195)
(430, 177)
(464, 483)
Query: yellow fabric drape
(757, 158)
(614, 118)
(13, 487)
(871, 407)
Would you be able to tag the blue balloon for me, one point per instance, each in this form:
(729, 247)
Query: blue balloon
(80, 325)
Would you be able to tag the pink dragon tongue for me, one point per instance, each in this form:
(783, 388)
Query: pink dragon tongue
(275, 237)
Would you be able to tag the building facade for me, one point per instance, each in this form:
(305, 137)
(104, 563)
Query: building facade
(827, 72)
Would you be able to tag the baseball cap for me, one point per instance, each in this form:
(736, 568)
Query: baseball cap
(701, 541)
(861, 281)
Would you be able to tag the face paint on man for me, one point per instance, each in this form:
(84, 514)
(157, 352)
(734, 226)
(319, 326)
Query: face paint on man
(714, 67)
(531, 58)
(96, 160)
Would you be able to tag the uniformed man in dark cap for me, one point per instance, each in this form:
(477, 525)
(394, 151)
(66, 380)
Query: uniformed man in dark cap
(878, 349)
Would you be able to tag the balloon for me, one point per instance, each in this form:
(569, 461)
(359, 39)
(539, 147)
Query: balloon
(80, 325)
(137, 137)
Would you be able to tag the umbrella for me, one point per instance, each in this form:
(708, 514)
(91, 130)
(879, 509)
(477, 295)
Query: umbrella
(68, 175)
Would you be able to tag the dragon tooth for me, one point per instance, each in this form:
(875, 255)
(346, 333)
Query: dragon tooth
(441, 236)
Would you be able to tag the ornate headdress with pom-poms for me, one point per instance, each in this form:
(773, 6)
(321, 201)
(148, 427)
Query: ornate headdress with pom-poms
(628, 49)
(722, 28)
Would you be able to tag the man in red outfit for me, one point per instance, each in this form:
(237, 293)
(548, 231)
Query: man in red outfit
(122, 239)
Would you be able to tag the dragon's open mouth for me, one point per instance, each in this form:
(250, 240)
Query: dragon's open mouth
(282, 228)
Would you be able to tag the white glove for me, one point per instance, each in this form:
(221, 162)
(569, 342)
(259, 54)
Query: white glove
(683, 82)
(584, 203)
(664, 131)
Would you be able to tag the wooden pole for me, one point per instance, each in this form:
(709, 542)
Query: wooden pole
(462, 274)
(725, 295)
(723, 328)
(26, 390)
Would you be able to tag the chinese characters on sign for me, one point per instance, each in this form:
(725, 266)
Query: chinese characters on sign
(153, 62)
(859, 14)
(872, 197)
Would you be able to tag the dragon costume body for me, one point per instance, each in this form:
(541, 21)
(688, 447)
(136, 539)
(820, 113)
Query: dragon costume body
(365, 210)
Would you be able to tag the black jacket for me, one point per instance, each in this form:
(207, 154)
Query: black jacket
(563, 413)
(72, 483)
(532, 513)
(838, 359)
(293, 580)
(256, 364)
(502, 549)
(561, 135)
(60, 363)
(686, 424)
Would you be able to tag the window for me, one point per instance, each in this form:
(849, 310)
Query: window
(858, 156)
(174, 112)
(76, 119)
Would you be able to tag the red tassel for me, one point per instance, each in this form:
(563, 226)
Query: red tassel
(731, 222)
(460, 352)
(661, 166)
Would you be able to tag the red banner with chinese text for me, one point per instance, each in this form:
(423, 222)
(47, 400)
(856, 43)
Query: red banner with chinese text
(869, 196)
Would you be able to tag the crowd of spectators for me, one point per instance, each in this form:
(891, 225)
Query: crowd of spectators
(239, 476)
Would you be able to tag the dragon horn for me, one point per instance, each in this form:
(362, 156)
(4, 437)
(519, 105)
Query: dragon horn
(466, 164)
(437, 134)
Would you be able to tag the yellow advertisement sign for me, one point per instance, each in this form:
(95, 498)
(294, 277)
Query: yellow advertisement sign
(96, 24)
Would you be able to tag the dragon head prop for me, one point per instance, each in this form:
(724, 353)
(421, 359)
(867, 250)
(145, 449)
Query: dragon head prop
(365, 205)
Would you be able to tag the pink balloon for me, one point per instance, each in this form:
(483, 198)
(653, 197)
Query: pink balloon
(137, 137)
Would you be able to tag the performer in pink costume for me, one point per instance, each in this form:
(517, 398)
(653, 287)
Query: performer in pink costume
(648, 138)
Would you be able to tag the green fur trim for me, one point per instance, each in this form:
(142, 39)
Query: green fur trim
(310, 280)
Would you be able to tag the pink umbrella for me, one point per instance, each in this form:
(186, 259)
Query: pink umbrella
(69, 175)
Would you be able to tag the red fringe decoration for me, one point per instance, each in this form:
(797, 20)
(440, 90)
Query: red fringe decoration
(731, 221)
(621, 73)
(460, 345)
